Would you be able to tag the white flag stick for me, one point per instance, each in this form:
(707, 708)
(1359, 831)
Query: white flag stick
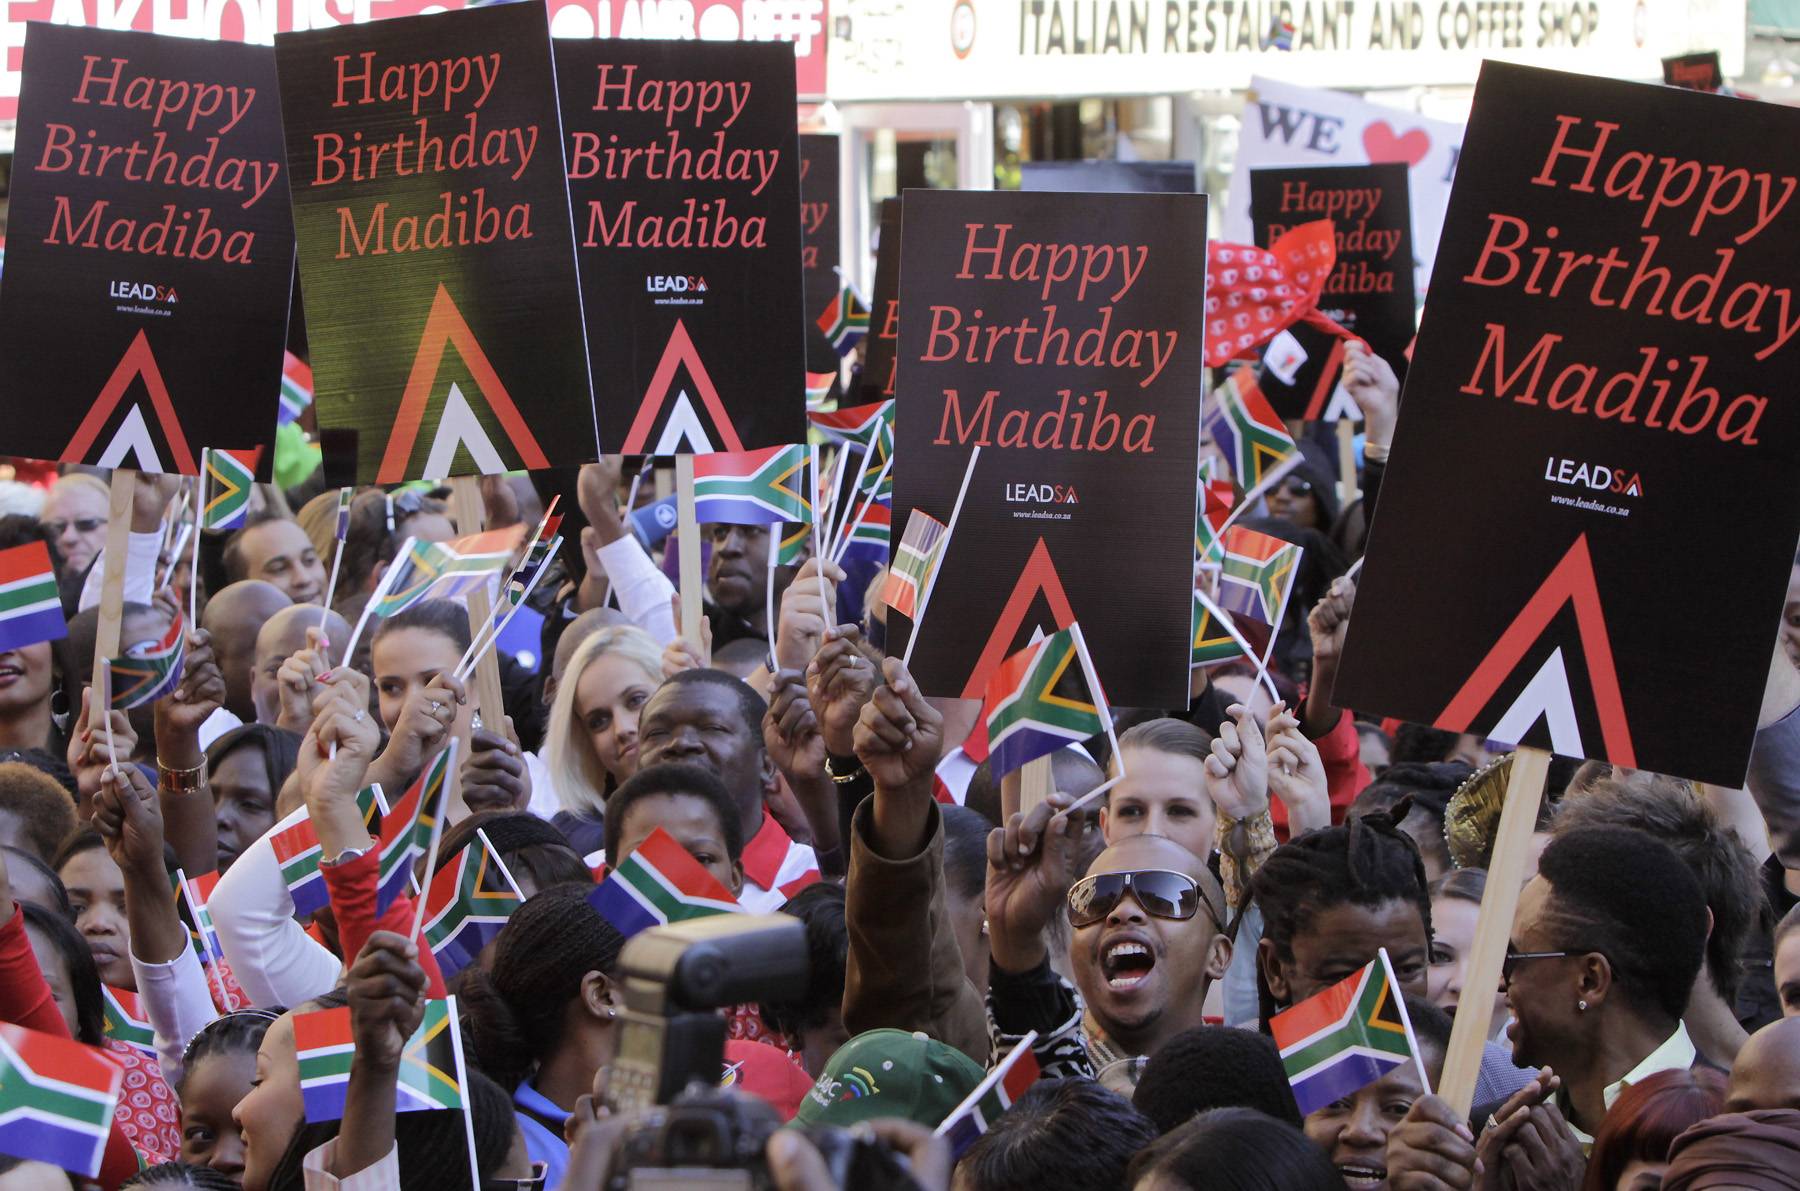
(943, 557)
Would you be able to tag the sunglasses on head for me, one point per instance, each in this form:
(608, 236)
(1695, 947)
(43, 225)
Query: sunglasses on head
(1160, 892)
(540, 1172)
(1295, 486)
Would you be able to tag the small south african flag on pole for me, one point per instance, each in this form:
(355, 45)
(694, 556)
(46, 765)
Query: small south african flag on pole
(466, 905)
(296, 388)
(846, 320)
(445, 570)
(229, 475)
(431, 1062)
(999, 1091)
(921, 549)
(148, 671)
(752, 487)
(406, 831)
(296, 848)
(872, 531)
(818, 388)
(56, 1099)
(657, 884)
(30, 610)
(126, 1020)
(1040, 699)
(1256, 575)
(345, 496)
(1244, 426)
(1346, 1037)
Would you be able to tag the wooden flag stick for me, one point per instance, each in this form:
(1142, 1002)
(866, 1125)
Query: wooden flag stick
(112, 585)
(466, 508)
(687, 530)
(1346, 441)
(1493, 927)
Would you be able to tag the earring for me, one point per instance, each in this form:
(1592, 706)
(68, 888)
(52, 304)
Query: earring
(1581, 1005)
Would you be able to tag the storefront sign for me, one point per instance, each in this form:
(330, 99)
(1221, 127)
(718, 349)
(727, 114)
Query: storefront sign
(961, 49)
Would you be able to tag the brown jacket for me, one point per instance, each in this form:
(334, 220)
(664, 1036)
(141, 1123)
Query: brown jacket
(905, 970)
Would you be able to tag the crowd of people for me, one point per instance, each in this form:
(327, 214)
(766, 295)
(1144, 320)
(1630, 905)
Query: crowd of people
(1259, 848)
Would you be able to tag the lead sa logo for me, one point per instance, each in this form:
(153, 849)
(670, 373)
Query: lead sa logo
(962, 28)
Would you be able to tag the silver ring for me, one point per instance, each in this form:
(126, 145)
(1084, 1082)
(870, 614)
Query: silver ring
(361, 715)
(436, 707)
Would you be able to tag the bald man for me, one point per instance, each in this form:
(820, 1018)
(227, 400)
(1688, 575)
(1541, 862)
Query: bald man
(281, 637)
(1766, 1072)
(234, 617)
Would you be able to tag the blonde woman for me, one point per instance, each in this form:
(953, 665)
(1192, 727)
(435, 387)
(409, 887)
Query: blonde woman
(591, 744)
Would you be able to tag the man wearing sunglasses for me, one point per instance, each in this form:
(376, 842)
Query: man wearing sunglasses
(1146, 940)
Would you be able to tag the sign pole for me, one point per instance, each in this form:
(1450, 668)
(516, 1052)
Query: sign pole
(112, 587)
(1346, 441)
(1506, 873)
(466, 509)
(687, 527)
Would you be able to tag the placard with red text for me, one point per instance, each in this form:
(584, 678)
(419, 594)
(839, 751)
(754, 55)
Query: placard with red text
(684, 168)
(148, 251)
(437, 258)
(1585, 534)
(1062, 334)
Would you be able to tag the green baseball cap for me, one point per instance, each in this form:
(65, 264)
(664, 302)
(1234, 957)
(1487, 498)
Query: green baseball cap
(890, 1073)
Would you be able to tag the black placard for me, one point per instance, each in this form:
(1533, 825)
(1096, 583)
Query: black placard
(1696, 72)
(819, 245)
(1585, 533)
(684, 169)
(1061, 333)
(884, 310)
(436, 253)
(1370, 291)
(148, 253)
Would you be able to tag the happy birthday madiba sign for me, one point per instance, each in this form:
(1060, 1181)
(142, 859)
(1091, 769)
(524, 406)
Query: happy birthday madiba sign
(1585, 533)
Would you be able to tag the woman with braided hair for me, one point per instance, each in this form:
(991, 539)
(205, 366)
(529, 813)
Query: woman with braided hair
(540, 1021)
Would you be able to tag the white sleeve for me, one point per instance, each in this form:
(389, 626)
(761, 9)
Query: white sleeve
(141, 553)
(175, 998)
(643, 590)
(272, 957)
(383, 1176)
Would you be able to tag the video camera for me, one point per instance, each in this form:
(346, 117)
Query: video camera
(672, 1050)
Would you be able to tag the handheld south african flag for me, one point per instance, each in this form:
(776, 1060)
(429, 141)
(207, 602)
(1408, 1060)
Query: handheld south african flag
(791, 551)
(56, 1099)
(1212, 508)
(406, 830)
(126, 1020)
(1243, 425)
(431, 1062)
(818, 388)
(345, 497)
(296, 848)
(149, 670)
(30, 609)
(467, 903)
(999, 1091)
(846, 320)
(445, 570)
(1346, 1037)
(872, 531)
(752, 487)
(296, 389)
(657, 884)
(858, 425)
(192, 895)
(1219, 638)
(1040, 699)
(921, 549)
(228, 476)
(1256, 574)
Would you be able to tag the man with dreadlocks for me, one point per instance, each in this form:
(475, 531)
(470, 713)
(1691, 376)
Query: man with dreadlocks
(1331, 900)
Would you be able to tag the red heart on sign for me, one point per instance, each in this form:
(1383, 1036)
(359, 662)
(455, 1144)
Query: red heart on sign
(1382, 144)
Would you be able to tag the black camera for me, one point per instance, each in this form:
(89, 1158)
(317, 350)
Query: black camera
(710, 1138)
(675, 979)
